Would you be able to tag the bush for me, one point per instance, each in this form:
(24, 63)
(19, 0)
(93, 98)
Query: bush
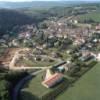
(4, 90)
(92, 63)
(15, 77)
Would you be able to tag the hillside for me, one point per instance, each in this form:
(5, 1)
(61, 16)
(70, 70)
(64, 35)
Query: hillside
(11, 18)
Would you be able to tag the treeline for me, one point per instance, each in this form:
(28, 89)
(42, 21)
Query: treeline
(60, 11)
(8, 81)
(56, 91)
(12, 18)
(52, 12)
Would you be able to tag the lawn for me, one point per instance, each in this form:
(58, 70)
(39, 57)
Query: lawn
(34, 88)
(86, 88)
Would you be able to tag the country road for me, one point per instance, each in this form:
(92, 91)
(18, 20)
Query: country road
(16, 57)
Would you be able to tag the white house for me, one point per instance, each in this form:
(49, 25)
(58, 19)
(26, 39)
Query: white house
(98, 57)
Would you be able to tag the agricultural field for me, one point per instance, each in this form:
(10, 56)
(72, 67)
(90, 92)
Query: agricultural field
(86, 88)
(95, 16)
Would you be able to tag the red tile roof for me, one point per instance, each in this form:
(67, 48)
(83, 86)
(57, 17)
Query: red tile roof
(52, 80)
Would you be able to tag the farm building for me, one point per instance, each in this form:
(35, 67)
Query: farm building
(52, 79)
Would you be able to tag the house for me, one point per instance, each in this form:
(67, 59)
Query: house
(97, 27)
(68, 51)
(79, 41)
(45, 46)
(85, 56)
(89, 45)
(74, 21)
(98, 57)
(37, 58)
(15, 42)
(61, 69)
(51, 79)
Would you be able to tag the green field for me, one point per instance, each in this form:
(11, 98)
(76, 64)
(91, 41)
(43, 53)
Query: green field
(38, 63)
(34, 88)
(87, 88)
(93, 15)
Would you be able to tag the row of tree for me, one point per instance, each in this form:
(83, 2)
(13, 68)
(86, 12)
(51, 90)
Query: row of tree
(8, 81)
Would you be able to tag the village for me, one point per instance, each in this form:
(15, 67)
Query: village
(55, 35)
(63, 49)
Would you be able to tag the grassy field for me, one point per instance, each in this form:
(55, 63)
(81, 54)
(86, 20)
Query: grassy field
(87, 88)
(38, 63)
(93, 15)
(34, 88)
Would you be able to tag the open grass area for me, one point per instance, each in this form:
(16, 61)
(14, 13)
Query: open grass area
(34, 88)
(86, 88)
(38, 63)
(93, 15)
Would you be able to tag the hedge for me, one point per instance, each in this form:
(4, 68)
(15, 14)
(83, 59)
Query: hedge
(56, 91)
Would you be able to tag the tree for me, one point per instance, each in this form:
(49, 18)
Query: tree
(74, 70)
(43, 25)
(4, 90)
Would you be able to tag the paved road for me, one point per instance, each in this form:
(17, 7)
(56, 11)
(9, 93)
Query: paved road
(16, 90)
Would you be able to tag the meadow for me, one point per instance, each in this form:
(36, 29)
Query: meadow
(86, 88)
(95, 16)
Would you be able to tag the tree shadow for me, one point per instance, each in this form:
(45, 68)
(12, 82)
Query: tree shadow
(27, 81)
(25, 95)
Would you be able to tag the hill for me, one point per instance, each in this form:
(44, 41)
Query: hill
(11, 18)
(38, 4)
